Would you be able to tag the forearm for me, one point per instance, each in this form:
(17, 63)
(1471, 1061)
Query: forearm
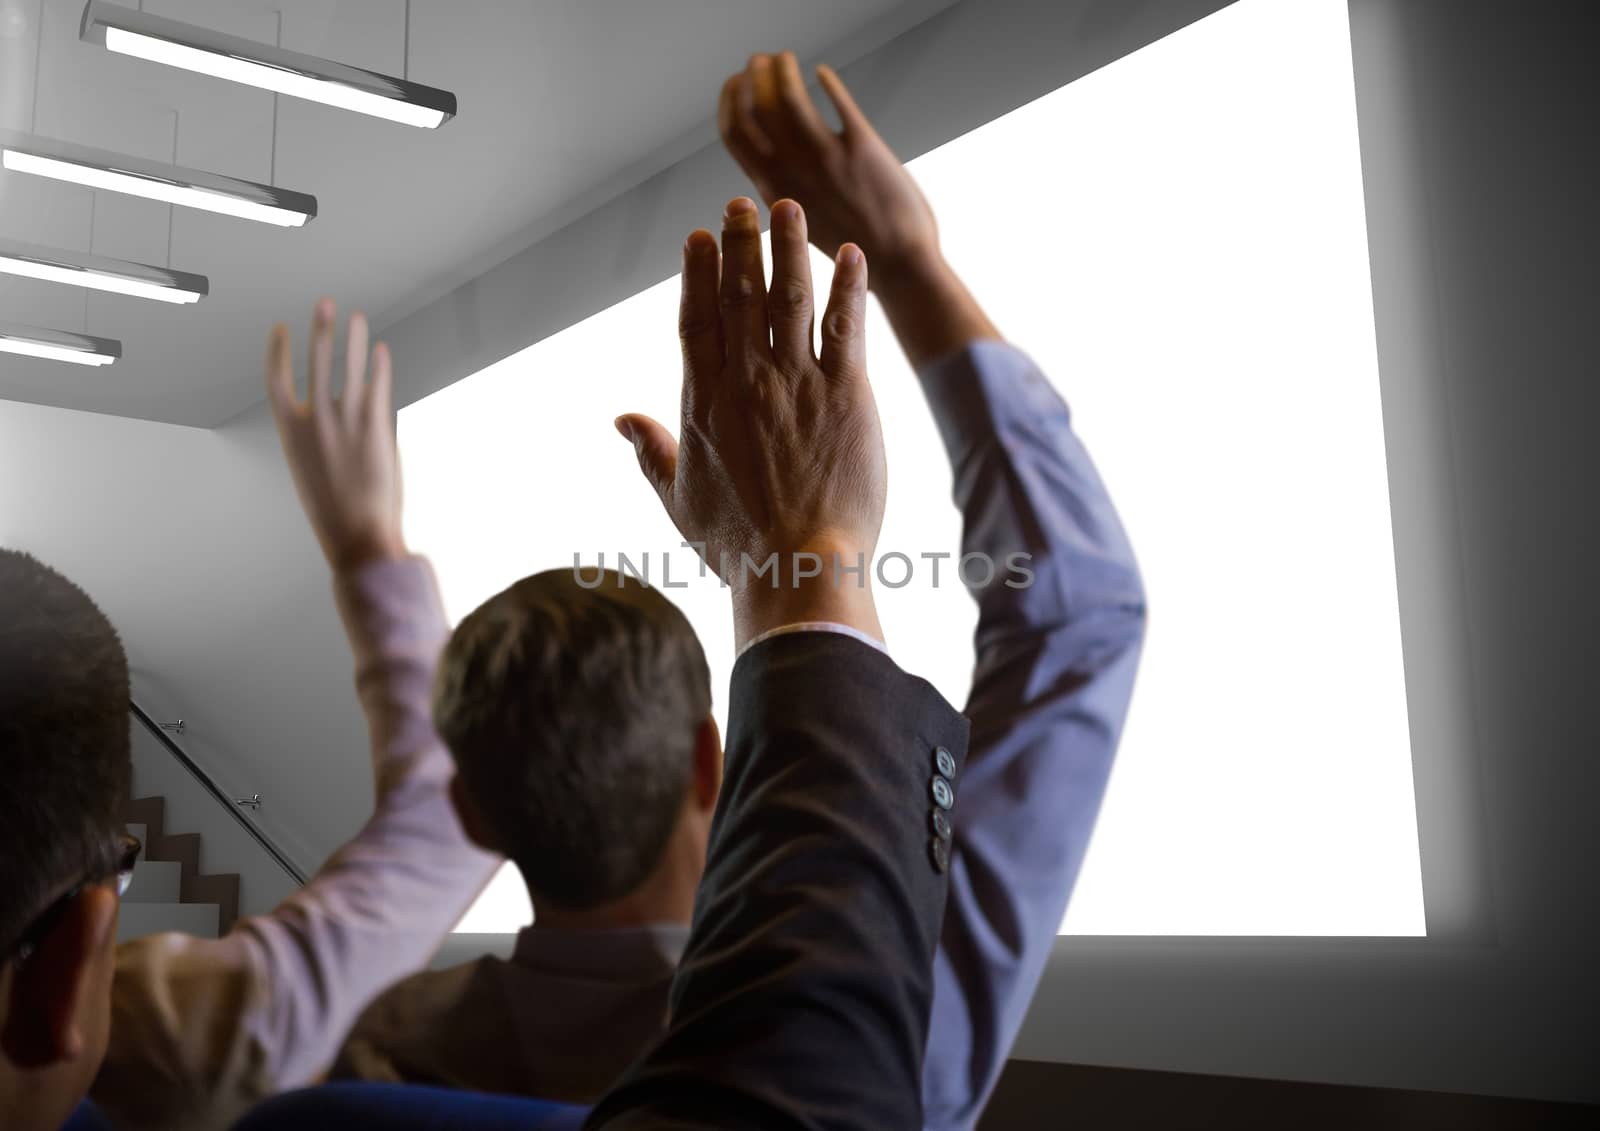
(1026, 485)
(1054, 674)
(395, 623)
(375, 913)
(839, 591)
(227, 1022)
(930, 309)
(380, 905)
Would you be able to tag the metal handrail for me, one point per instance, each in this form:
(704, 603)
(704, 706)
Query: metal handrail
(159, 731)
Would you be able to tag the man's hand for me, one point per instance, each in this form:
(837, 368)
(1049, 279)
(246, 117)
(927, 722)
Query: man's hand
(853, 188)
(780, 451)
(341, 450)
(850, 184)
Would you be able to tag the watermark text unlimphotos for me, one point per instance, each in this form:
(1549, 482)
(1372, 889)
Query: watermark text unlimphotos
(892, 570)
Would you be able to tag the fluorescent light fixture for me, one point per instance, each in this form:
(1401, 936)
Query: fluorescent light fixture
(129, 31)
(57, 345)
(116, 276)
(172, 184)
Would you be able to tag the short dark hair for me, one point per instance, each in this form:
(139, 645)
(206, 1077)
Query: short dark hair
(572, 709)
(64, 743)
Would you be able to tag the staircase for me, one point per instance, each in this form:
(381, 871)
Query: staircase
(168, 892)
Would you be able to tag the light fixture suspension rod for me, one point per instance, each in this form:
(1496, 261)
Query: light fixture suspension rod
(94, 199)
(171, 208)
(38, 58)
(272, 161)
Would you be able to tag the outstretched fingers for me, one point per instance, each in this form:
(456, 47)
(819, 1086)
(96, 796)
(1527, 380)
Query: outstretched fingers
(744, 294)
(351, 397)
(320, 361)
(789, 303)
(853, 121)
(844, 325)
(783, 108)
(279, 368)
(700, 323)
(380, 391)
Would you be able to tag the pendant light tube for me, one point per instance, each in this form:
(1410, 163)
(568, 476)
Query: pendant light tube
(57, 345)
(96, 272)
(129, 31)
(171, 184)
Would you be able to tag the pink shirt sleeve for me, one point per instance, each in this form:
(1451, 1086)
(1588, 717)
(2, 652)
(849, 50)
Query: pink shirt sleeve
(223, 1022)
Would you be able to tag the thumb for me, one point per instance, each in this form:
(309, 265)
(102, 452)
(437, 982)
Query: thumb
(656, 449)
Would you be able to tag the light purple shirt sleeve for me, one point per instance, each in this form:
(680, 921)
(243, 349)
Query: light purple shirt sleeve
(1054, 673)
(380, 906)
(222, 1023)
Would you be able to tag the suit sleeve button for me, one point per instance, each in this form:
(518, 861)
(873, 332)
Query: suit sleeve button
(941, 824)
(939, 850)
(944, 761)
(944, 795)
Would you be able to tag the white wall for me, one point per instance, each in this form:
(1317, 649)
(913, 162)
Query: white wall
(193, 544)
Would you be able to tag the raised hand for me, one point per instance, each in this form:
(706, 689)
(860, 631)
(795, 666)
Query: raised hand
(341, 449)
(850, 184)
(853, 188)
(780, 457)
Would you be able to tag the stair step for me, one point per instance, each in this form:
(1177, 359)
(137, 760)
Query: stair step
(148, 812)
(146, 819)
(155, 881)
(139, 919)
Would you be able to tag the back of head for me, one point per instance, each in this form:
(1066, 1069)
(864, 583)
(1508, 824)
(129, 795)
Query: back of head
(64, 773)
(572, 711)
(64, 746)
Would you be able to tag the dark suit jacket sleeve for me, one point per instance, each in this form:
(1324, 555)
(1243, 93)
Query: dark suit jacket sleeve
(803, 997)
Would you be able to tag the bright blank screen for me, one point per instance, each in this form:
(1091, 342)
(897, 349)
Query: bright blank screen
(1179, 241)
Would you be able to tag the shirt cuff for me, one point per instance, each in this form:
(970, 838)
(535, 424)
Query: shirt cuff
(817, 626)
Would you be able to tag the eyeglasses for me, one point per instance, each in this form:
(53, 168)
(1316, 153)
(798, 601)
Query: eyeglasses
(128, 849)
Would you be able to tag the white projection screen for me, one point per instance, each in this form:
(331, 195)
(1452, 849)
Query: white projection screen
(1179, 240)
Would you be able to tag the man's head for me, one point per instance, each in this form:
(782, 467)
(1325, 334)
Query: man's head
(64, 774)
(579, 714)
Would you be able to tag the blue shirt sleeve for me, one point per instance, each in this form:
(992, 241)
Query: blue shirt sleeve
(1056, 654)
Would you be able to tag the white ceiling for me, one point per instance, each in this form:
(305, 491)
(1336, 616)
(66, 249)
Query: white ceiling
(558, 99)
